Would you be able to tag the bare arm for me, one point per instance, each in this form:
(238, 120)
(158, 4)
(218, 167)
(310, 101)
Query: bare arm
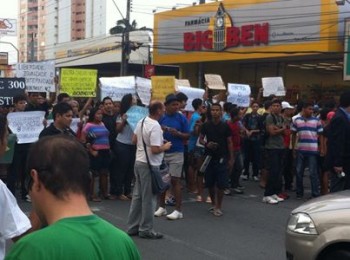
(86, 106)
(160, 149)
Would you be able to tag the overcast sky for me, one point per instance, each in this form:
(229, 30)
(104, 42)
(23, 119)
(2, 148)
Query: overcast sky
(142, 12)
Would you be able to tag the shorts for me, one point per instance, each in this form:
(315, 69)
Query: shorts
(216, 174)
(175, 162)
(101, 161)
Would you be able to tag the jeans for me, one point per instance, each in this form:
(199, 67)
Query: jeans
(143, 204)
(312, 161)
(274, 180)
(288, 169)
(125, 156)
(251, 154)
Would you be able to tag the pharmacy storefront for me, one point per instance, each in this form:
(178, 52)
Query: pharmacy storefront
(243, 41)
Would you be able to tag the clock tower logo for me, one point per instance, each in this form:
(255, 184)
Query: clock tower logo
(222, 34)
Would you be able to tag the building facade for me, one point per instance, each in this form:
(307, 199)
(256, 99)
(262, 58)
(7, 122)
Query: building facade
(45, 23)
(301, 41)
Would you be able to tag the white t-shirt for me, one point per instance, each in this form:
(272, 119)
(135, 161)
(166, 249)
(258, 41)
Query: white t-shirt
(153, 136)
(13, 222)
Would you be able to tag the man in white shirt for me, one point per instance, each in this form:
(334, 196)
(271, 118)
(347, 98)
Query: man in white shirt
(140, 220)
(13, 222)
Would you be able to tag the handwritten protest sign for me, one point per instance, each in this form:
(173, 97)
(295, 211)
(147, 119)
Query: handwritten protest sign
(135, 114)
(144, 90)
(73, 125)
(273, 86)
(239, 94)
(117, 87)
(10, 87)
(162, 86)
(26, 125)
(191, 93)
(39, 75)
(214, 81)
(182, 83)
(79, 82)
(8, 156)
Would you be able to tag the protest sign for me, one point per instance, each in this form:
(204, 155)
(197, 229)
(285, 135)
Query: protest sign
(10, 149)
(26, 125)
(239, 94)
(10, 87)
(40, 76)
(162, 86)
(78, 82)
(214, 81)
(191, 93)
(273, 86)
(135, 114)
(117, 87)
(144, 90)
(73, 125)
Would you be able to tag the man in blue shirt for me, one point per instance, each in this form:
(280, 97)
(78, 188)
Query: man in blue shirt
(175, 128)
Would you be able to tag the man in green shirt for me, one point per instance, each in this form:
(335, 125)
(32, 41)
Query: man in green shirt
(59, 184)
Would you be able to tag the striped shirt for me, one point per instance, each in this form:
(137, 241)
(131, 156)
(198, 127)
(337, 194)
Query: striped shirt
(101, 140)
(308, 130)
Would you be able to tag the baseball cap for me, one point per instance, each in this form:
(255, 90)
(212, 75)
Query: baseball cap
(286, 105)
(170, 98)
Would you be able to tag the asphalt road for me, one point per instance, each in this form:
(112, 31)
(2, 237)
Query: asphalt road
(249, 229)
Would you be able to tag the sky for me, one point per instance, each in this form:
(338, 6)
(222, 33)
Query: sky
(142, 12)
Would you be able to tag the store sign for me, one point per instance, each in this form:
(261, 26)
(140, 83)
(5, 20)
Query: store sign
(246, 35)
(8, 27)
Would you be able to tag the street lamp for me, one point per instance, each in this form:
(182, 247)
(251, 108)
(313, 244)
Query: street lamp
(10, 43)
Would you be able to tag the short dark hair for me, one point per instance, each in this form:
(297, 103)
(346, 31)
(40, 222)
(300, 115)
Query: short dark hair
(255, 102)
(154, 107)
(307, 104)
(276, 101)
(216, 105)
(181, 97)
(106, 98)
(267, 104)
(62, 164)
(344, 100)
(62, 96)
(196, 103)
(19, 98)
(60, 109)
(234, 112)
(227, 106)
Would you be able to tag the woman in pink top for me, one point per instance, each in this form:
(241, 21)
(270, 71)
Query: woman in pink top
(96, 137)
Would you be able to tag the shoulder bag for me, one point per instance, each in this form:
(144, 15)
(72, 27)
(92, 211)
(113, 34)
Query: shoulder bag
(160, 176)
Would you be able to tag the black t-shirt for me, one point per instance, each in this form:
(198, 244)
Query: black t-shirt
(52, 130)
(110, 123)
(217, 133)
(40, 107)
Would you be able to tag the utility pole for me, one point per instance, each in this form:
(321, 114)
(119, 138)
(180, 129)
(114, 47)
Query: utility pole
(125, 42)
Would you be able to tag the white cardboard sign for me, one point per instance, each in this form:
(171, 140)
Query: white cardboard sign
(239, 94)
(117, 87)
(144, 90)
(273, 86)
(191, 93)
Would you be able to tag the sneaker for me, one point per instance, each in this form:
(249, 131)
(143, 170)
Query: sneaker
(283, 195)
(244, 177)
(240, 187)
(150, 235)
(278, 198)
(199, 198)
(269, 200)
(227, 191)
(175, 215)
(255, 178)
(170, 201)
(237, 190)
(160, 212)
(208, 200)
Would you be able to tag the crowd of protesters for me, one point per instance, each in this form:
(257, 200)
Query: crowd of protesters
(218, 146)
